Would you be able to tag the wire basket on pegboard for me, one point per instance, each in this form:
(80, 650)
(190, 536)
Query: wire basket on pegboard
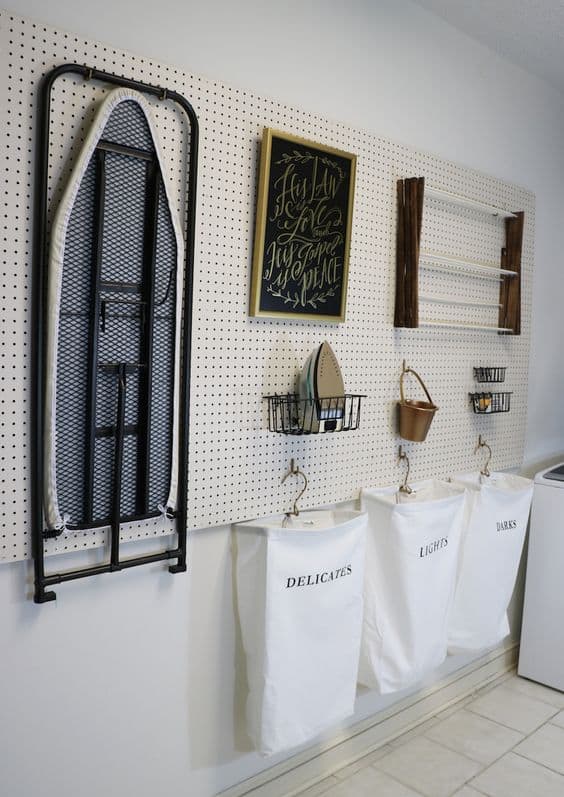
(490, 374)
(489, 403)
(292, 414)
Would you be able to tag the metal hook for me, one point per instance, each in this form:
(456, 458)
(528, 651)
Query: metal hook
(482, 444)
(89, 73)
(163, 95)
(404, 488)
(295, 471)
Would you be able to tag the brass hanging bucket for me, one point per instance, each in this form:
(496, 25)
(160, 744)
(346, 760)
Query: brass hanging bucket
(415, 417)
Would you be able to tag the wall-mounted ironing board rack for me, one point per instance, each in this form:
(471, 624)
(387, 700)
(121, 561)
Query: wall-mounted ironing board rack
(105, 297)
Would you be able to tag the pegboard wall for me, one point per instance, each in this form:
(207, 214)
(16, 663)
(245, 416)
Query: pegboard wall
(236, 465)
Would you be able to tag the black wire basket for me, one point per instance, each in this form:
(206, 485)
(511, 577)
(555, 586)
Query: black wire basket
(292, 414)
(490, 374)
(489, 403)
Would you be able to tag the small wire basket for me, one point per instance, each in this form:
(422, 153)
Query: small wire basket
(489, 403)
(292, 414)
(490, 374)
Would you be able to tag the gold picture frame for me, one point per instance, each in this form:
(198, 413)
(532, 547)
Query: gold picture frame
(303, 229)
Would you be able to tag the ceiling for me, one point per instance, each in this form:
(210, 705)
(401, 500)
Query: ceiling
(529, 33)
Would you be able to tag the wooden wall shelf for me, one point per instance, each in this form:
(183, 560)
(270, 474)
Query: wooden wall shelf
(410, 195)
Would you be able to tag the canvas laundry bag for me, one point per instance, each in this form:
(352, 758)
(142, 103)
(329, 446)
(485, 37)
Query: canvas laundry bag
(299, 593)
(494, 532)
(412, 553)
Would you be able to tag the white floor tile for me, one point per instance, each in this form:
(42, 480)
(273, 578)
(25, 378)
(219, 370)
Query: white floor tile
(545, 746)
(510, 707)
(538, 691)
(428, 767)
(369, 782)
(365, 761)
(448, 755)
(514, 776)
(474, 736)
(558, 719)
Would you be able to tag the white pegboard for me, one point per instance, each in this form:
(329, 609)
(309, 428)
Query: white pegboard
(235, 464)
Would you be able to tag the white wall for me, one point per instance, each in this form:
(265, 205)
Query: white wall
(128, 684)
(387, 66)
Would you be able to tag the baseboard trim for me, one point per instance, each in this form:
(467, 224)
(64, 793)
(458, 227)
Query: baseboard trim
(308, 767)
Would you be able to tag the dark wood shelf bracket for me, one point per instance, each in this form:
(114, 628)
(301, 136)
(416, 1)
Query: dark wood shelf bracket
(510, 289)
(410, 215)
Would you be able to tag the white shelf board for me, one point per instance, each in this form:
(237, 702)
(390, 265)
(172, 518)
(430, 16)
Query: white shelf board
(444, 263)
(455, 325)
(466, 202)
(457, 302)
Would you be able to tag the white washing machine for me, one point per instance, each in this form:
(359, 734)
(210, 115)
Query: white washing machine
(541, 657)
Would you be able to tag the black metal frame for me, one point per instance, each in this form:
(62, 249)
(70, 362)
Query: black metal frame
(490, 373)
(490, 403)
(40, 269)
(292, 414)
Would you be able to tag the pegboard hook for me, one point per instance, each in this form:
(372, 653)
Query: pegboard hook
(295, 471)
(404, 487)
(482, 444)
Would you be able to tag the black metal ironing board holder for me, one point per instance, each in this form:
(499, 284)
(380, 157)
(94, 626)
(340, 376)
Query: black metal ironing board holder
(119, 292)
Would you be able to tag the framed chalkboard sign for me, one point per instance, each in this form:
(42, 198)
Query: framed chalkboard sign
(303, 229)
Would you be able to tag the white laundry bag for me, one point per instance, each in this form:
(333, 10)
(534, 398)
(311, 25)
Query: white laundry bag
(494, 534)
(299, 595)
(412, 554)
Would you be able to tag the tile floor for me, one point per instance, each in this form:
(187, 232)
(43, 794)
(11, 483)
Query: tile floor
(505, 741)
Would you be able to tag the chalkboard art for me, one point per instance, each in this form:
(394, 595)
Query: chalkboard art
(303, 229)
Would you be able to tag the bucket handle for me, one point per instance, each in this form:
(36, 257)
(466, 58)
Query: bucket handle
(408, 370)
